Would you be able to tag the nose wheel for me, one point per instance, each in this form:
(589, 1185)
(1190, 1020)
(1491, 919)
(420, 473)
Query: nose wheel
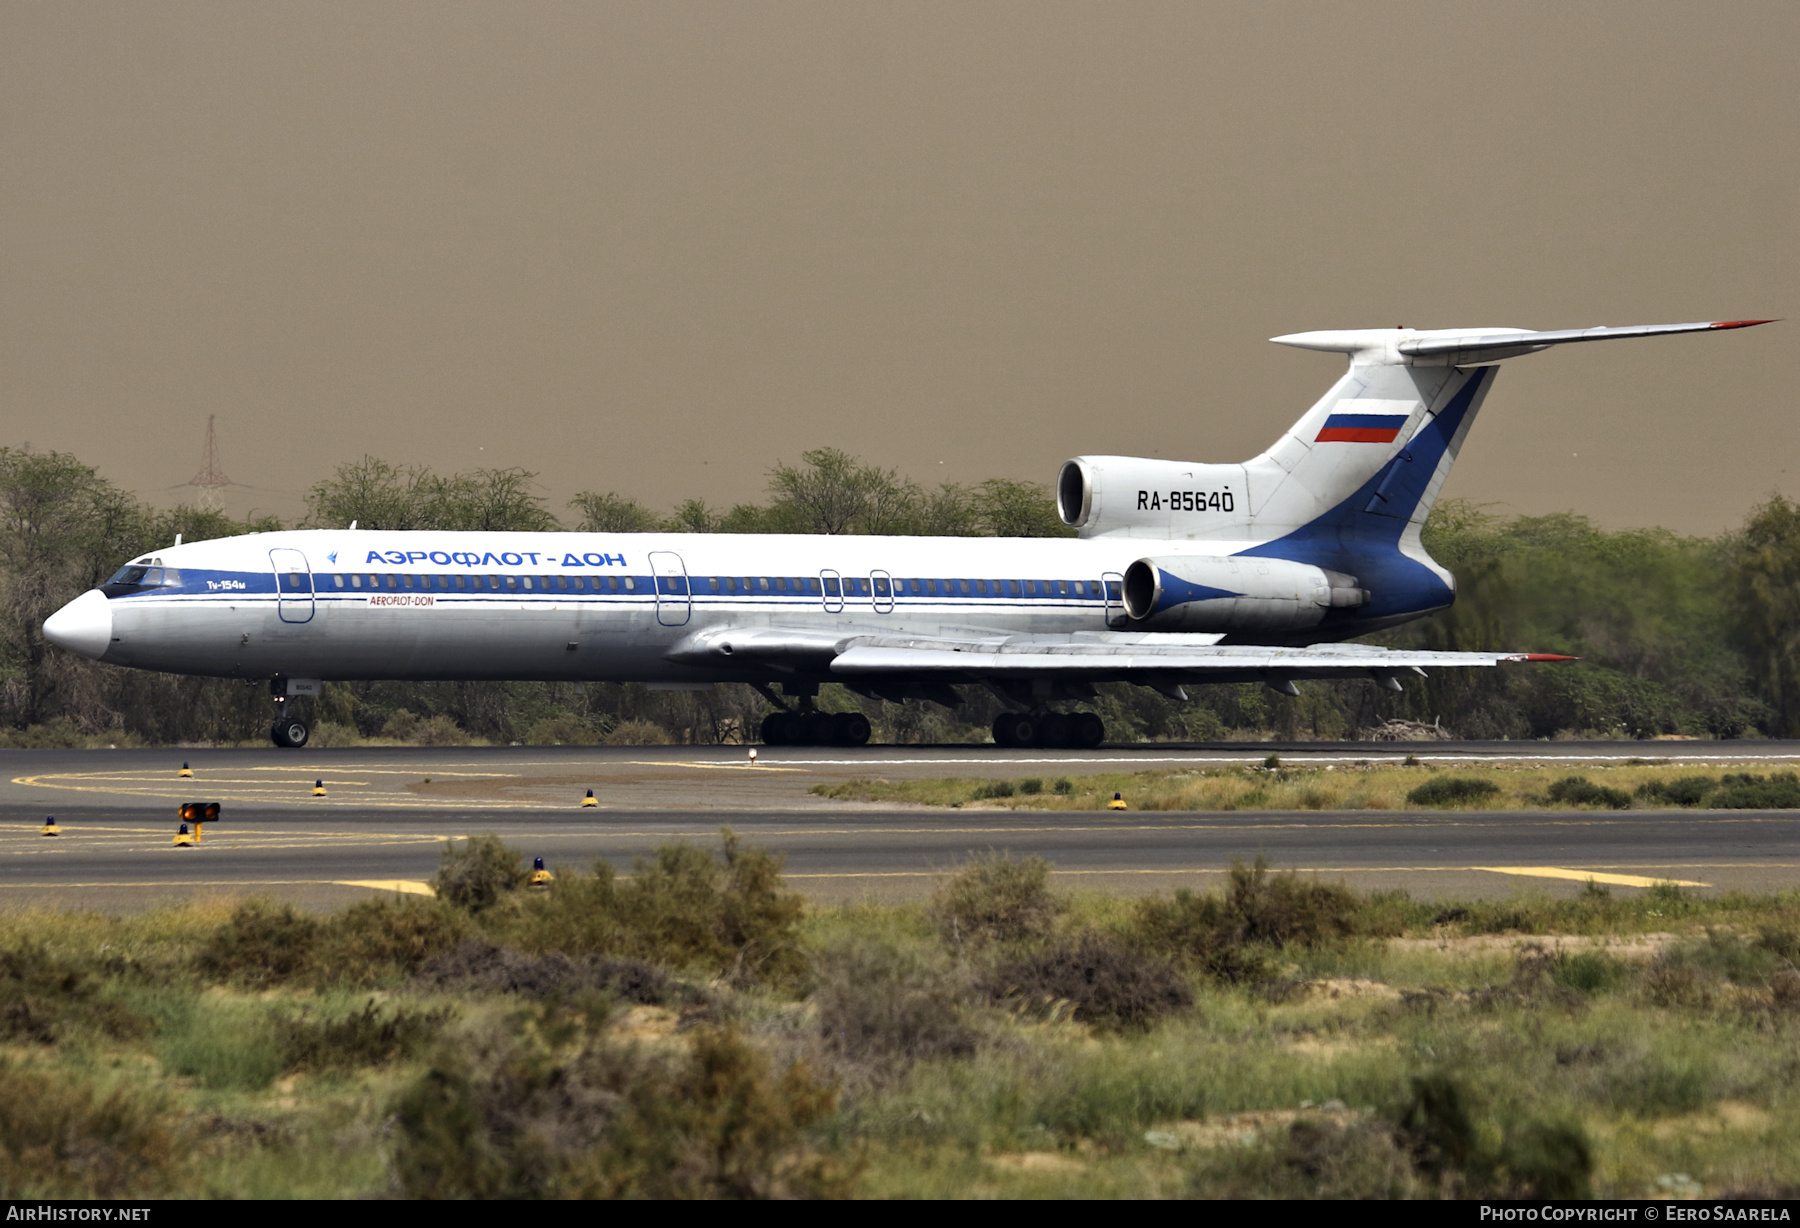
(1079, 730)
(289, 731)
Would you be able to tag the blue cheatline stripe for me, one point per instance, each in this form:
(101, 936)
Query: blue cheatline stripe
(248, 585)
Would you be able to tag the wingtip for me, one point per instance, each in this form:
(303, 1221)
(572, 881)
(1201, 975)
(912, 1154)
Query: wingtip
(1742, 323)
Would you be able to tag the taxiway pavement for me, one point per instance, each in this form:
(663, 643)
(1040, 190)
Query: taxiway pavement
(387, 812)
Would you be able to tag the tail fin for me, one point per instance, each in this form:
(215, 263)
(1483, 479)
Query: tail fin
(1349, 486)
(1410, 395)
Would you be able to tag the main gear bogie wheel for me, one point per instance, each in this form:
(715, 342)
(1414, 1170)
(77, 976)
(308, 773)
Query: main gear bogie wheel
(816, 729)
(852, 729)
(777, 729)
(1056, 731)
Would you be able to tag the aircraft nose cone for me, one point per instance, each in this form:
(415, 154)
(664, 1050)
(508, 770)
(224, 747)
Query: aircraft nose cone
(83, 626)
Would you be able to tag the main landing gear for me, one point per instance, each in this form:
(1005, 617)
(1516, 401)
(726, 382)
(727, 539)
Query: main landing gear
(805, 725)
(815, 729)
(1081, 730)
(287, 731)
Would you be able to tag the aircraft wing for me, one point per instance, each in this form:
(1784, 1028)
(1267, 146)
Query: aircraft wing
(1142, 657)
(1097, 656)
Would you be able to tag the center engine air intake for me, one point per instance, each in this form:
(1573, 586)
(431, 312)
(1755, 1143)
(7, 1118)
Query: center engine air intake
(1239, 593)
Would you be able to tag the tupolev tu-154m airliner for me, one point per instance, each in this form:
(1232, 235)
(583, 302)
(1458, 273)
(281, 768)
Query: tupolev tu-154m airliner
(1182, 574)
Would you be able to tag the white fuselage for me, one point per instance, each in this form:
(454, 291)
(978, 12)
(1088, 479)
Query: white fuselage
(346, 604)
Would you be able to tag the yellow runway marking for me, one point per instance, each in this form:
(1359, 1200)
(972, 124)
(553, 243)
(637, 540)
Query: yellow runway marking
(1581, 876)
(405, 886)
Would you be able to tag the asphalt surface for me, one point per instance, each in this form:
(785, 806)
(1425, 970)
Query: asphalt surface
(386, 813)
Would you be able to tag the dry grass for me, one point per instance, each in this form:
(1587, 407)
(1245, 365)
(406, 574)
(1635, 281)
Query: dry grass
(1332, 787)
(1368, 1045)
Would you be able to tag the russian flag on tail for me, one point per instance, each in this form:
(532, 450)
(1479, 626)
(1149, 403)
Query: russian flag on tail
(1361, 428)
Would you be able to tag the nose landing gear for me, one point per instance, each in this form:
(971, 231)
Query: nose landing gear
(288, 731)
(1082, 730)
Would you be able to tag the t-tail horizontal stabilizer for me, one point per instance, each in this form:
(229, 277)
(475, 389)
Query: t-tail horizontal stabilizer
(1459, 347)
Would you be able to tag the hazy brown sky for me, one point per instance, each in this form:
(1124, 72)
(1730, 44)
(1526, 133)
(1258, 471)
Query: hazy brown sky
(656, 247)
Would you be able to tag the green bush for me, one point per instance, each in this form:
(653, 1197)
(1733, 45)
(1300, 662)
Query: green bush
(384, 939)
(713, 1121)
(1064, 785)
(1687, 791)
(1031, 786)
(60, 1140)
(225, 1044)
(441, 731)
(1580, 791)
(1727, 956)
(476, 873)
(729, 913)
(370, 1037)
(562, 731)
(46, 998)
(884, 1005)
(1590, 971)
(996, 788)
(1452, 791)
(263, 943)
(1100, 979)
(475, 966)
(1228, 936)
(1741, 791)
(638, 733)
(1533, 1159)
(996, 898)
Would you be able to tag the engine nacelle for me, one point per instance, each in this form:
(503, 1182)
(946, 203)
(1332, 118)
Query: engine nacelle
(1239, 593)
(1133, 496)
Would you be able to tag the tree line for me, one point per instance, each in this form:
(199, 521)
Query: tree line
(1684, 636)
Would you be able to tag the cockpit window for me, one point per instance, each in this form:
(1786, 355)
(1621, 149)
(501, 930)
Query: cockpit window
(138, 578)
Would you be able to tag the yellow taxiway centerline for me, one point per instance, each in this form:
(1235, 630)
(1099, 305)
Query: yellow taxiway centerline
(1582, 876)
(405, 886)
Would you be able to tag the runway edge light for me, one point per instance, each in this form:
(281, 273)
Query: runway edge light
(1117, 803)
(318, 788)
(50, 828)
(540, 877)
(182, 839)
(590, 800)
(185, 772)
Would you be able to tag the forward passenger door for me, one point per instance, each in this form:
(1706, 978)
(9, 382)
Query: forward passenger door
(293, 585)
(674, 604)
